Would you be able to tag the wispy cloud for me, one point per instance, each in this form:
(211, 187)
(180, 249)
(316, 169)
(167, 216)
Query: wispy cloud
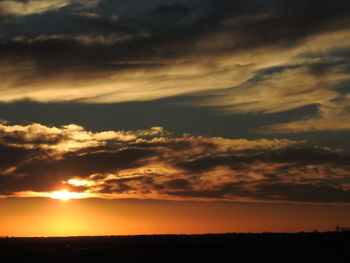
(235, 57)
(333, 116)
(20, 8)
(31, 7)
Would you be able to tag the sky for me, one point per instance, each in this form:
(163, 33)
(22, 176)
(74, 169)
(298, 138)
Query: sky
(174, 116)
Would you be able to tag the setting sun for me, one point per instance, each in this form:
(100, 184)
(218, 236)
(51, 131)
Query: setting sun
(64, 195)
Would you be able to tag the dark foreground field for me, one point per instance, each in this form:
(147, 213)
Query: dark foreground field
(331, 246)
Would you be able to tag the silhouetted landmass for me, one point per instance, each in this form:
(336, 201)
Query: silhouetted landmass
(269, 247)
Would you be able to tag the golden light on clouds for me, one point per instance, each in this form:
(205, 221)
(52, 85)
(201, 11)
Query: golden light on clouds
(154, 164)
(79, 182)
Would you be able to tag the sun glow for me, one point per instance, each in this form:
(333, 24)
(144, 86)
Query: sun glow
(64, 195)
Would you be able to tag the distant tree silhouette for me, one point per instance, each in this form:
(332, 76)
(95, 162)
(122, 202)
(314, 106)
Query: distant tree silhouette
(342, 229)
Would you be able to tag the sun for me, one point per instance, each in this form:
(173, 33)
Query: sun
(65, 195)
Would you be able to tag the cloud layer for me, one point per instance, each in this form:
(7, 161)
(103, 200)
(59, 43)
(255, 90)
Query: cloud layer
(154, 164)
(241, 57)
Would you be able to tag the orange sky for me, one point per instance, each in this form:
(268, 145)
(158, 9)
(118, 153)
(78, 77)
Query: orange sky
(48, 217)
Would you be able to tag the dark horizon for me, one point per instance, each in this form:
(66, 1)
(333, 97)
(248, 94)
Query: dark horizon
(182, 248)
(180, 234)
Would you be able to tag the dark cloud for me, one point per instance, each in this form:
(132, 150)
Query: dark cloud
(210, 194)
(177, 184)
(47, 175)
(273, 192)
(104, 23)
(318, 68)
(177, 10)
(295, 156)
(303, 193)
(208, 163)
(11, 156)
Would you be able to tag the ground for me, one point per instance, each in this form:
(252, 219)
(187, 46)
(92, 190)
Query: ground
(270, 247)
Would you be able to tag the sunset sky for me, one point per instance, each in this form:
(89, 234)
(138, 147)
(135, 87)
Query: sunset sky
(174, 116)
